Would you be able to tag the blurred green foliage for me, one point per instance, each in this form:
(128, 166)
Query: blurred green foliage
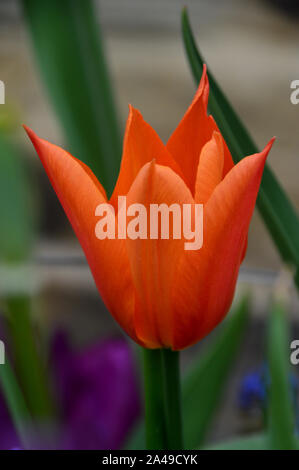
(67, 42)
(25, 384)
(17, 218)
(281, 416)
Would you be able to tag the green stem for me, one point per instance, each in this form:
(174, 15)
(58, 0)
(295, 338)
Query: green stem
(172, 398)
(155, 428)
(163, 416)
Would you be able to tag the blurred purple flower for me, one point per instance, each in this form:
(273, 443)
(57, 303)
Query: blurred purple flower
(97, 392)
(8, 435)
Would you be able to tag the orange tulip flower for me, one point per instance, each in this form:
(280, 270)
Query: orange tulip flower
(161, 294)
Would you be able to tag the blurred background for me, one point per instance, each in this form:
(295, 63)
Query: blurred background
(252, 49)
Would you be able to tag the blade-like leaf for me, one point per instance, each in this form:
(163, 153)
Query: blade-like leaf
(204, 383)
(29, 365)
(15, 402)
(281, 409)
(69, 51)
(276, 209)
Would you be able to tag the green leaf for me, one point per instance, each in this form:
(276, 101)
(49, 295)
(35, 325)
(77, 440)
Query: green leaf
(69, 50)
(281, 410)
(16, 207)
(29, 365)
(252, 442)
(15, 402)
(204, 383)
(276, 209)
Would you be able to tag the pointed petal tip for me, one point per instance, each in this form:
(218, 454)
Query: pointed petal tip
(134, 117)
(203, 86)
(36, 141)
(149, 167)
(28, 130)
(262, 155)
(133, 111)
(257, 160)
(217, 140)
(216, 135)
(265, 152)
(271, 142)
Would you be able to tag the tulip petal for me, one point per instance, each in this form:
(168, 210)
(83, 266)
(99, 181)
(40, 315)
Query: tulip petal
(210, 169)
(141, 145)
(80, 193)
(205, 280)
(194, 130)
(153, 261)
